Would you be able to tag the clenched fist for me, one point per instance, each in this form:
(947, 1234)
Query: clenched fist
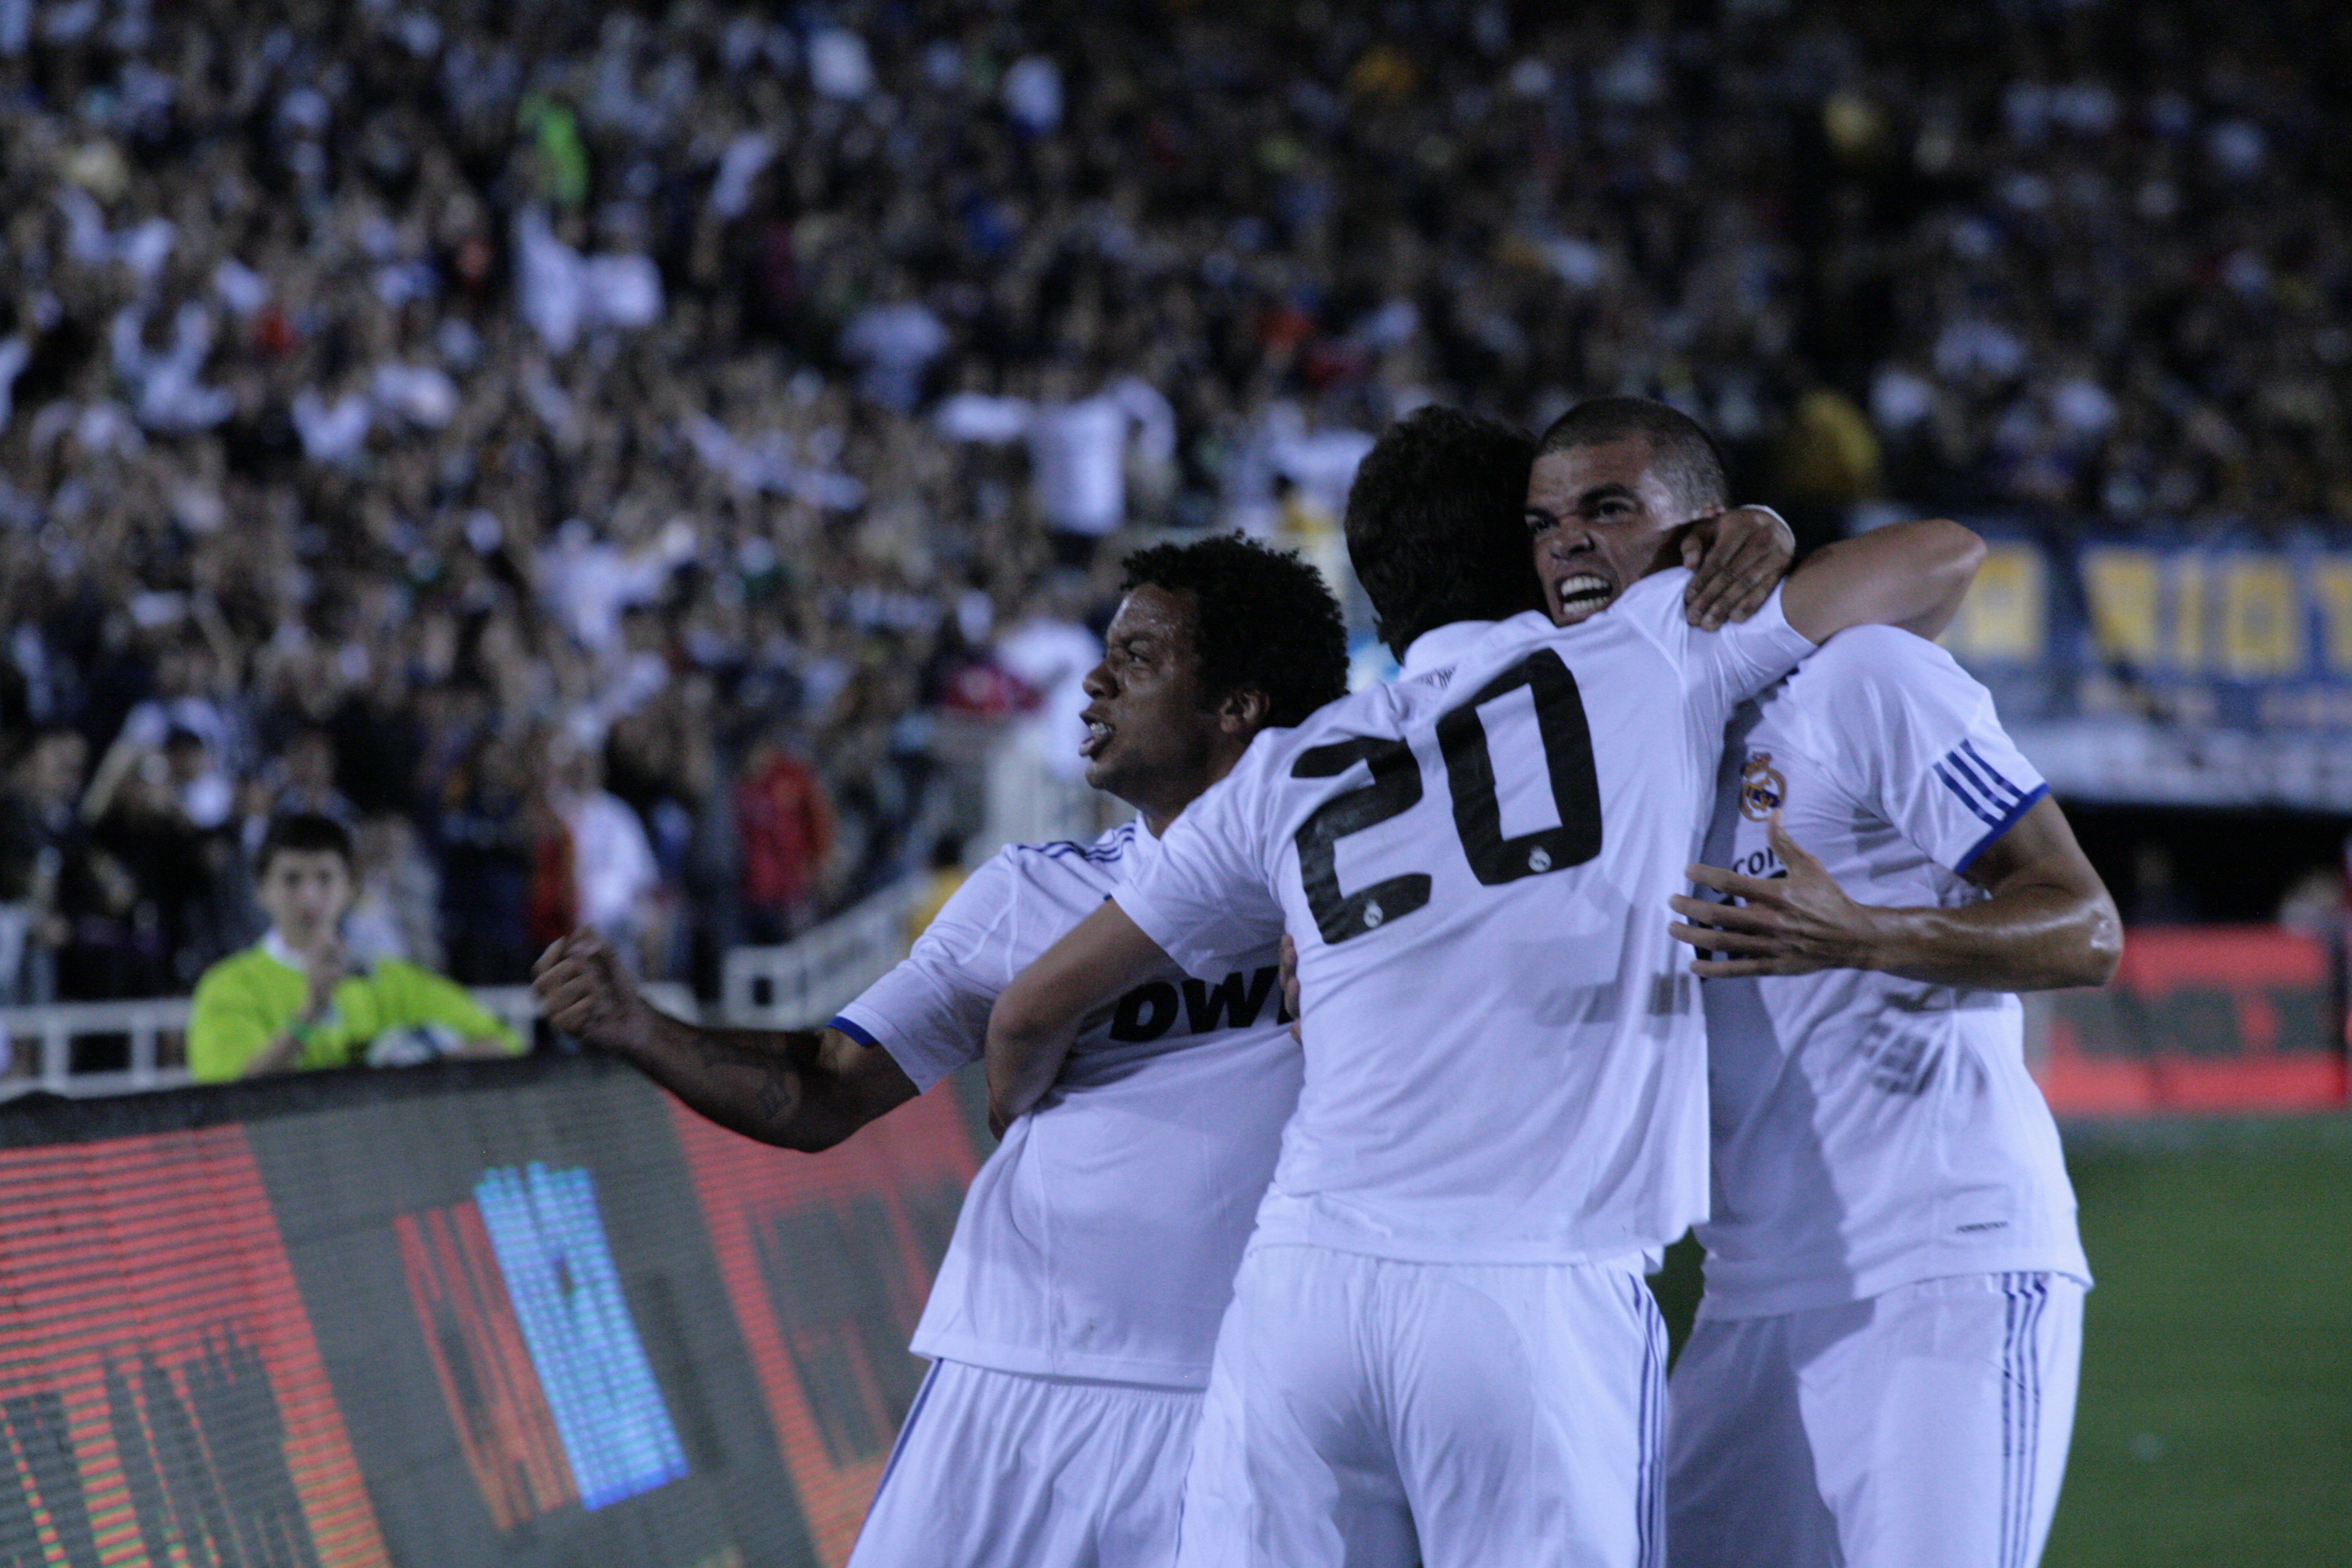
(583, 991)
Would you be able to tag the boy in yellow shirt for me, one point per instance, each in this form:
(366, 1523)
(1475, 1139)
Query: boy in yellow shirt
(294, 1001)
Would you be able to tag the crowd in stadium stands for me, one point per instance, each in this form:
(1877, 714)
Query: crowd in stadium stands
(585, 447)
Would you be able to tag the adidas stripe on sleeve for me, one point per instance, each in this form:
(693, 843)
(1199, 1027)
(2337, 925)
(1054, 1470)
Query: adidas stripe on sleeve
(1943, 768)
(1988, 793)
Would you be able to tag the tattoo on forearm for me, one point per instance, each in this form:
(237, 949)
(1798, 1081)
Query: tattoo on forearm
(776, 1097)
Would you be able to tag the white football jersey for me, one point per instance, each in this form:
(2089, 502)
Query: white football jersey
(1505, 1060)
(1100, 1239)
(1870, 1131)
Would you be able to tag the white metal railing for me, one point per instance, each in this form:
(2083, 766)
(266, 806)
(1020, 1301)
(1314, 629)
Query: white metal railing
(41, 1040)
(1025, 800)
(796, 985)
(793, 986)
(800, 983)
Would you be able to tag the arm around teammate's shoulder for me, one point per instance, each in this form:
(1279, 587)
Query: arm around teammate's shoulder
(797, 1089)
(1908, 574)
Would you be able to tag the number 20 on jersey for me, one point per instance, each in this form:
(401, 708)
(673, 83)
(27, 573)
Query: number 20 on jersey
(1395, 790)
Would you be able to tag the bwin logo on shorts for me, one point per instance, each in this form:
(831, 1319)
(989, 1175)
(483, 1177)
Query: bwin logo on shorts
(1760, 787)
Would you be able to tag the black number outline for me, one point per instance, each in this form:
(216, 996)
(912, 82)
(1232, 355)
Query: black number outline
(1568, 756)
(1395, 789)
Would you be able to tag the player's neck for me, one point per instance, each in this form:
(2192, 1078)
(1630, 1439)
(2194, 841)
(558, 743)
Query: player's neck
(1157, 814)
(1169, 801)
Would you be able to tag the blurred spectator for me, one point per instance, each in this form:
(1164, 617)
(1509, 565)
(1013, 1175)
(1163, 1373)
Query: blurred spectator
(41, 842)
(1078, 460)
(164, 895)
(895, 339)
(188, 699)
(394, 913)
(1828, 461)
(376, 740)
(2313, 906)
(300, 1000)
(588, 582)
(1050, 652)
(306, 779)
(605, 859)
(487, 834)
(784, 824)
(1080, 451)
(199, 783)
(565, 293)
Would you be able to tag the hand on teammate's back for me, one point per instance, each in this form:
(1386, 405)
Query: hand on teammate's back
(583, 991)
(1736, 558)
(1789, 924)
(1290, 983)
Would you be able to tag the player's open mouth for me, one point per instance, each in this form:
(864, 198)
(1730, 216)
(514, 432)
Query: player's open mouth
(1582, 594)
(1098, 737)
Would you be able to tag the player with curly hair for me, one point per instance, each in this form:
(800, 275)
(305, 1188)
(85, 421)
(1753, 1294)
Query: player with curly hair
(1071, 1324)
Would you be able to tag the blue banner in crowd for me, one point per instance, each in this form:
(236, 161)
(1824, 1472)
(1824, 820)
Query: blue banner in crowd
(2137, 668)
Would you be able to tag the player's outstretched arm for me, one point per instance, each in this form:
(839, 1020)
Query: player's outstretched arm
(1908, 574)
(2049, 922)
(1037, 1018)
(797, 1089)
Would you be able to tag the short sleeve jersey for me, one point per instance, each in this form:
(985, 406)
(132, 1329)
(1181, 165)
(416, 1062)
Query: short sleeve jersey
(1505, 1062)
(247, 999)
(1870, 1131)
(1101, 1237)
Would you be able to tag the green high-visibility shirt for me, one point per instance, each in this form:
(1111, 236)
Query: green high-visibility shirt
(247, 999)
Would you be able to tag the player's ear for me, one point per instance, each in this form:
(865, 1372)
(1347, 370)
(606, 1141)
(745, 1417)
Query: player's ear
(1244, 710)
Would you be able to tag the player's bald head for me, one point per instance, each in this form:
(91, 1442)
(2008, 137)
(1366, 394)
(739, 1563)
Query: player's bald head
(1682, 452)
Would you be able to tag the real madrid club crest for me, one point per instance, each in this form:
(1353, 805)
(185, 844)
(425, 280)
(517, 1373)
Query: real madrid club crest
(1760, 787)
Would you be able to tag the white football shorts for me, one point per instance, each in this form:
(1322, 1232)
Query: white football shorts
(1925, 1427)
(1375, 1414)
(1001, 1470)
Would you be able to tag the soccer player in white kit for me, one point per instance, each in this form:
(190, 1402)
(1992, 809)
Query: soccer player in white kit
(1073, 1318)
(1885, 1365)
(1441, 1344)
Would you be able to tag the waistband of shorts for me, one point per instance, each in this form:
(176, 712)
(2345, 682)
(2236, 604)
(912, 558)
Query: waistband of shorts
(1063, 1380)
(1820, 1295)
(1638, 1263)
